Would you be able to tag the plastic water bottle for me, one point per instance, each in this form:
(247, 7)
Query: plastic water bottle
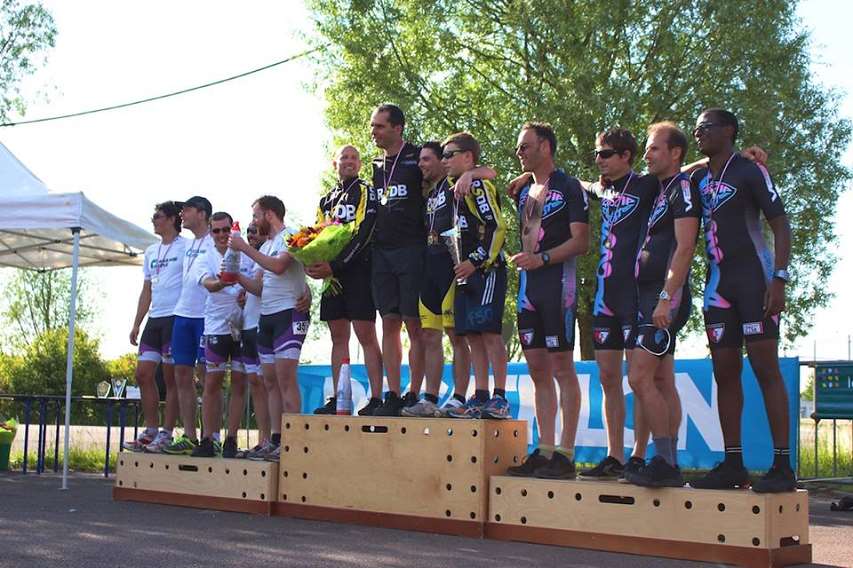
(231, 260)
(344, 393)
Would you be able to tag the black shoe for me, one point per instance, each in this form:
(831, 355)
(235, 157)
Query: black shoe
(410, 399)
(204, 449)
(370, 407)
(724, 476)
(331, 407)
(608, 469)
(229, 448)
(529, 466)
(658, 473)
(633, 465)
(560, 467)
(776, 480)
(391, 407)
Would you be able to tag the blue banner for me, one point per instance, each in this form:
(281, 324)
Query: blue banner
(700, 441)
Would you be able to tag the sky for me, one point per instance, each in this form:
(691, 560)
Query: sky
(261, 134)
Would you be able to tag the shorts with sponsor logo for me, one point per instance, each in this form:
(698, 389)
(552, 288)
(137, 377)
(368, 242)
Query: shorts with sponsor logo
(660, 342)
(437, 291)
(396, 279)
(281, 335)
(479, 303)
(155, 344)
(187, 342)
(249, 350)
(614, 332)
(734, 308)
(354, 300)
(547, 308)
(219, 350)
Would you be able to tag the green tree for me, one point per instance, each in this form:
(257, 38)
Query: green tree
(26, 32)
(36, 302)
(486, 66)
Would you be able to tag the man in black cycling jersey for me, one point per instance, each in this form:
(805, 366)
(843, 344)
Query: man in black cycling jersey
(744, 295)
(663, 297)
(350, 305)
(554, 223)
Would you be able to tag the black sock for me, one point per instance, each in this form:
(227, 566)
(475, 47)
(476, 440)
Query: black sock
(431, 397)
(782, 458)
(391, 395)
(734, 456)
(276, 438)
(501, 393)
(481, 395)
(459, 397)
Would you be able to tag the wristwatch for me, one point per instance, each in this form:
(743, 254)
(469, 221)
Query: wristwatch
(664, 295)
(781, 274)
(546, 258)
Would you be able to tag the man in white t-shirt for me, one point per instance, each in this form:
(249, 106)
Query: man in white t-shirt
(283, 325)
(249, 345)
(161, 287)
(189, 319)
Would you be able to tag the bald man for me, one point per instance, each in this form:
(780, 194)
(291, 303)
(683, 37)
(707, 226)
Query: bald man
(350, 305)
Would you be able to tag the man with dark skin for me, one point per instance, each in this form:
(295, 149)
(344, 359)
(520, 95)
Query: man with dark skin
(744, 296)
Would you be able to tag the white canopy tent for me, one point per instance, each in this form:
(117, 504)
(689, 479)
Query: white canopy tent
(40, 230)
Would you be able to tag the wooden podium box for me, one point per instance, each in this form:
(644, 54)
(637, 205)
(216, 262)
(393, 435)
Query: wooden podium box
(207, 483)
(426, 474)
(733, 527)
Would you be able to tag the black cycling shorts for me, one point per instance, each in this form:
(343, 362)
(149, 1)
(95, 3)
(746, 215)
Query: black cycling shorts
(660, 342)
(354, 300)
(397, 277)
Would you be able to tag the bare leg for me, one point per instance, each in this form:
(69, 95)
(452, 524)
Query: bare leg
(285, 372)
(461, 362)
(610, 372)
(172, 406)
(392, 350)
(480, 359)
(273, 397)
(416, 355)
(365, 331)
(434, 359)
(145, 371)
(764, 360)
(340, 331)
(236, 402)
(261, 404)
(211, 404)
(563, 366)
(539, 366)
(497, 357)
(186, 398)
(641, 377)
(727, 371)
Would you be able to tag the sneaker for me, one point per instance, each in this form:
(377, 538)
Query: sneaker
(138, 445)
(331, 407)
(529, 466)
(229, 448)
(497, 408)
(472, 410)
(259, 451)
(183, 446)
(391, 407)
(607, 469)
(633, 465)
(410, 399)
(723, 476)
(423, 409)
(205, 449)
(452, 404)
(160, 442)
(776, 480)
(560, 467)
(274, 455)
(658, 473)
(371, 406)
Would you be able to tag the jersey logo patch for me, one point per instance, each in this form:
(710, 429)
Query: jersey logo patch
(526, 336)
(715, 332)
(723, 193)
(685, 194)
(626, 332)
(616, 210)
(661, 206)
(554, 202)
(552, 341)
(753, 328)
(300, 327)
(601, 334)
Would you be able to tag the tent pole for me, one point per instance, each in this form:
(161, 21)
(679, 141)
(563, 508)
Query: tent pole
(69, 361)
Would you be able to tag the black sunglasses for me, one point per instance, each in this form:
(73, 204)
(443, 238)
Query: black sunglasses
(450, 153)
(705, 127)
(251, 231)
(605, 154)
(157, 216)
(218, 230)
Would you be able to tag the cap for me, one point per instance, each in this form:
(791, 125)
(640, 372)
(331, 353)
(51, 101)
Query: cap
(198, 202)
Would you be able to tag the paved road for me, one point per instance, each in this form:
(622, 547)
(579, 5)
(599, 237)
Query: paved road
(43, 526)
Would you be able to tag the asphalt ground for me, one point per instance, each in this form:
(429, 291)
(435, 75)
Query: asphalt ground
(40, 525)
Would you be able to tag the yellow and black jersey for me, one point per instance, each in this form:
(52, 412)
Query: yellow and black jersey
(482, 226)
(350, 201)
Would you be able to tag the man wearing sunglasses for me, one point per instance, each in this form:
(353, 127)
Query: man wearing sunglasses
(161, 288)
(663, 297)
(744, 296)
(189, 319)
(350, 307)
(554, 223)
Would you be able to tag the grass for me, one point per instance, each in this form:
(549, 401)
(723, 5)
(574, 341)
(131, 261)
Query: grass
(78, 460)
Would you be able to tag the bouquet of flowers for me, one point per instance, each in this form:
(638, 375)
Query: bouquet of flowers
(320, 243)
(7, 431)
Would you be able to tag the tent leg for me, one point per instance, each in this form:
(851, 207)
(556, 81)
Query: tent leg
(69, 361)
